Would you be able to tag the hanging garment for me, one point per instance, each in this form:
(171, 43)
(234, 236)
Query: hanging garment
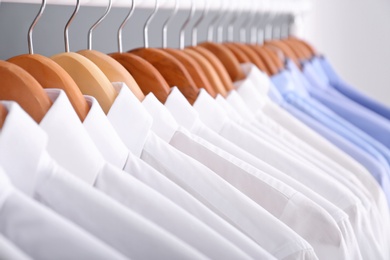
(253, 183)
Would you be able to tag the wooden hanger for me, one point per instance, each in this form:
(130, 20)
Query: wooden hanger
(18, 85)
(148, 77)
(217, 64)
(88, 77)
(171, 69)
(299, 50)
(286, 51)
(112, 69)
(49, 74)
(304, 44)
(276, 60)
(3, 115)
(227, 58)
(209, 71)
(194, 68)
(191, 65)
(237, 52)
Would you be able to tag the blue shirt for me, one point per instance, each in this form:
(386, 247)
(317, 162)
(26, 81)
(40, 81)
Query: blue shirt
(298, 100)
(319, 88)
(347, 90)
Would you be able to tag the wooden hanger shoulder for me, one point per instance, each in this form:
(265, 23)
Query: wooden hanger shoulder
(209, 71)
(18, 85)
(195, 70)
(147, 77)
(227, 58)
(113, 70)
(237, 52)
(255, 59)
(267, 60)
(217, 64)
(3, 115)
(286, 51)
(51, 75)
(277, 61)
(171, 69)
(88, 77)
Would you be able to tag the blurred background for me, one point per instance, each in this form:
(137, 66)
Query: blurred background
(355, 36)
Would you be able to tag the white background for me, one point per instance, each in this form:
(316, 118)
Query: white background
(355, 36)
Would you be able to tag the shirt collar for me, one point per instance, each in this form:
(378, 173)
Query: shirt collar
(311, 74)
(164, 125)
(316, 63)
(262, 82)
(22, 144)
(69, 143)
(104, 136)
(6, 187)
(231, 112)
(210, 112)
(181, 109)
(130, 119)
(240, 106)
(250, 94)
(253, 74)
(286, 83)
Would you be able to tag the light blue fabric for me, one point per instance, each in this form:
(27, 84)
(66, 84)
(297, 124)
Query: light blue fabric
(347, 90)
(349, 138)
(370, 122)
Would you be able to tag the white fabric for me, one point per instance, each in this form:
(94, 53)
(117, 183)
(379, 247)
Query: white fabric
(9, 251)
(136, 195)
(166, 127)
(188, 117)
(310, 176)
(172, 163)
(333, 161)
(45, 235)
(121, 228)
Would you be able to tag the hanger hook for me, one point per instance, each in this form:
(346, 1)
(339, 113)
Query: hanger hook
(32, 26)
(252, 26)
(66, 30)
(119, 34)
(248, 21)
(93, 27)
(187, 21)
(231, 24)
(205, 11)
(220, 23)
(165, 26)
(210, 31)
(147, 23)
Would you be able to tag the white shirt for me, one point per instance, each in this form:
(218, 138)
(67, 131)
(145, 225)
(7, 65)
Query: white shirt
(347, 178)
(344, 167)
(310, 176)
(47, 182)
(279, 195)
(299, 135)
(203, 184)
(123, 108)
(134, 194)
(10, 251)
(250, 94)
(26, 223)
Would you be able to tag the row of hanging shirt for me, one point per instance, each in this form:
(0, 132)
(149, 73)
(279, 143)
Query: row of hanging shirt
(217, 151)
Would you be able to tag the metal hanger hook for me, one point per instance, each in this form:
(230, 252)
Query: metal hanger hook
(184, 26)
(166, 23)
(32, 26)
(119, 34)
(66, 30)
(93, 27)
(147, 23)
